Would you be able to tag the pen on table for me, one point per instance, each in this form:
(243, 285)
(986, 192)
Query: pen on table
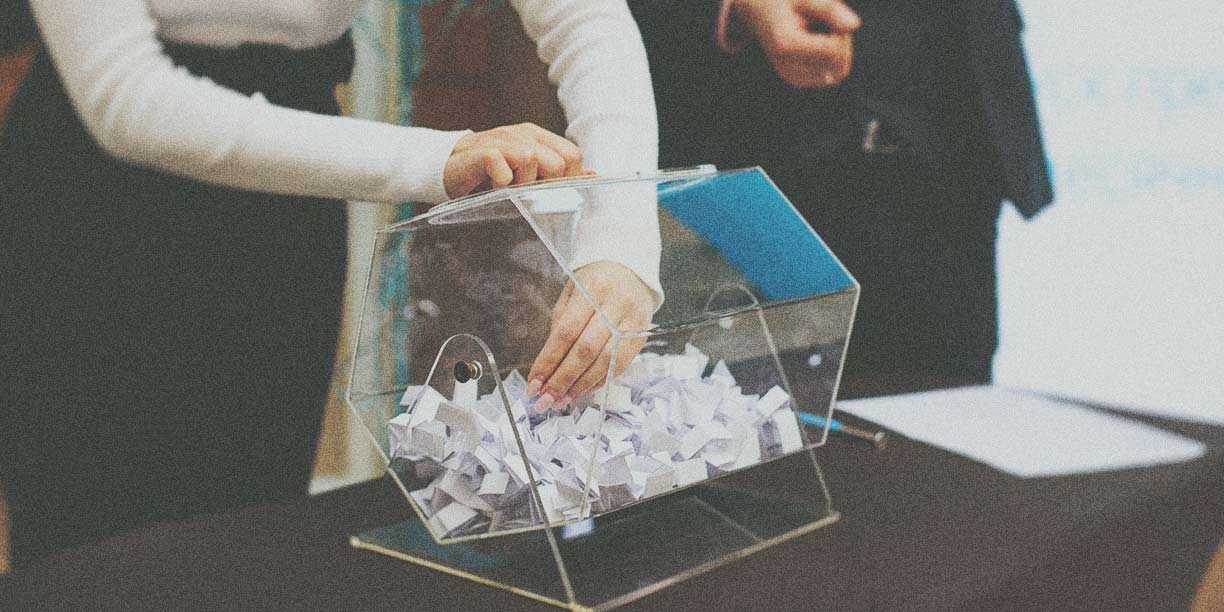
(877, 438)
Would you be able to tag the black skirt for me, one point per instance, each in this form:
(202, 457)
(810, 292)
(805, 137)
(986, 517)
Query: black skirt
(166, 345)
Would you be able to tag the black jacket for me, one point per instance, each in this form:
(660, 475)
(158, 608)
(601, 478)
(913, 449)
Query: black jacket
(734, 111)
(16, 25)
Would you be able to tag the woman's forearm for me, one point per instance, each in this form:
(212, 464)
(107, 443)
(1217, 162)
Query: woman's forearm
(140, 107)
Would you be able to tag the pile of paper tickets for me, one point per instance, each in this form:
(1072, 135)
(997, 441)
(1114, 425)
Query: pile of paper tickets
(666, 424)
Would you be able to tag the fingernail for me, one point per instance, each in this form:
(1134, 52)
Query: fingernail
(534, 386)
(565, 401)
(851, 20)
(544, 403)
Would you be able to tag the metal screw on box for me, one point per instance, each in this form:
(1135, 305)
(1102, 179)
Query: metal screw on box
(691, 458)
(467, 370)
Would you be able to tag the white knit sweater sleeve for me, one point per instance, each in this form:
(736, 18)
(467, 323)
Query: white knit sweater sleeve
(141, 108)
(598, 63)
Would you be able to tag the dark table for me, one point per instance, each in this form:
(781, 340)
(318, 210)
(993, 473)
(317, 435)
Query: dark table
(922, 529)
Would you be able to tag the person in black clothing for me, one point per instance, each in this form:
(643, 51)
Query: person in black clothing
(16, 25)
(896, 128)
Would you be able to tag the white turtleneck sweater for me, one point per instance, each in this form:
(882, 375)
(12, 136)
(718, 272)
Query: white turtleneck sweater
(141, 108)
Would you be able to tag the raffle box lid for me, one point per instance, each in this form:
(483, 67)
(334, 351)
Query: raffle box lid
(590, 388)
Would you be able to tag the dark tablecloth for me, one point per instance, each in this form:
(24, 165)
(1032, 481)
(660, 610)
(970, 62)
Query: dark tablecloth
(922, 529)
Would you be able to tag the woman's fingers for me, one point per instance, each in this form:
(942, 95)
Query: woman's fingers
(586, 350)
(577, 353)
(567, 152)
(509, 155)
(525, 173)
(532, 161)
(813, 60)
(569, 322)
(466, 170)
(559, 307)
(496, 168)
(832, 13)
(596, 375)
(551, 164)
(538, 375)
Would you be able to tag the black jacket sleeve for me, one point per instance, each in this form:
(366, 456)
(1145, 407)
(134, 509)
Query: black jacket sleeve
(690, 76)
(16, 25)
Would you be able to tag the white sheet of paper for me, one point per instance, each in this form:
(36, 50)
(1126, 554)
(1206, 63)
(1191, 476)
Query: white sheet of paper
(615, 430)
(426, 409)
(494, 483)
(459, 418)
(750, 451)
(429, 439)
(616, 471)
(1025, 434)
(693, 441)
(451, 517)
(787, 426)
(517, 469)
(399, 435)
(491, 407)
(490, 462)
(590, 421)
(658, 482)
(410, 394)
(688, 472)
(619, 398)
(465, 393)
(771, 402)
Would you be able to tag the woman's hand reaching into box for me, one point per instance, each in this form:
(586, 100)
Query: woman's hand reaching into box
(576, 356)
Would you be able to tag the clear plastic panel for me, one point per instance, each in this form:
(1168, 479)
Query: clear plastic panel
(719, 315)
(475, 268)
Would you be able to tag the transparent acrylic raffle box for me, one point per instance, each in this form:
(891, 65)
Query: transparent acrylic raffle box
(708, 316)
